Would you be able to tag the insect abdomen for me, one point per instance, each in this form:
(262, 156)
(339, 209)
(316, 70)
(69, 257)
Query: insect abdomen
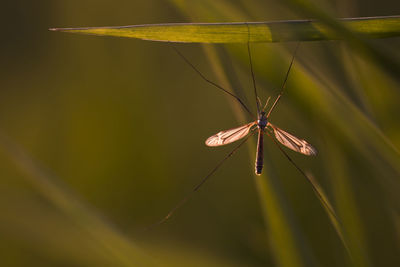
(260, 153)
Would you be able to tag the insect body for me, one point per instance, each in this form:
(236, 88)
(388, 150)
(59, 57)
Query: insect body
(261, 124)
(263, 127)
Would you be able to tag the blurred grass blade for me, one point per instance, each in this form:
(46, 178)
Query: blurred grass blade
(347, 206)
(329, 210)
(320, 194)
(274, 31)
(359, 45)
(122, 251)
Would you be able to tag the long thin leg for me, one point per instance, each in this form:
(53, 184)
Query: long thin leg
(188, 196)
(326, 204)
(284, 82)
(211, 82)
(251, 69)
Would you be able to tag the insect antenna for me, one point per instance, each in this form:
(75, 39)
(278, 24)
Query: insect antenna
(197, 187)
(266, 103)
(251, 69)
(284, 82)
(320, 197)
(211, 82)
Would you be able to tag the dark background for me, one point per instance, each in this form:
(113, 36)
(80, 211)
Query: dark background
(101, 137)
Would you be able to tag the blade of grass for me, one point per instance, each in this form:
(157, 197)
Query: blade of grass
(330, 211)
(355, 39)
(275, 31)
(347, 207)
(357, 125)
(349, 61)
(122, 250)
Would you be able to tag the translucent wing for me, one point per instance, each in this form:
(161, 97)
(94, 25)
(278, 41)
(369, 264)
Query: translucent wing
(292, 142)
(229, 136)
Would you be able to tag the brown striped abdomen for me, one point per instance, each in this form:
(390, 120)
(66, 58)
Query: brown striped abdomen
(260, 153)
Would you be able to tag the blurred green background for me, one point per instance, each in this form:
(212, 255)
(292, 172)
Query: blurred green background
(100, 137)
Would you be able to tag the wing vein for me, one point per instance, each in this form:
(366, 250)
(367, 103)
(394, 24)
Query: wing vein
(292, 142)
(229, 136)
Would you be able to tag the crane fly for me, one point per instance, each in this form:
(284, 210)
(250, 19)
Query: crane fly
(261, 125)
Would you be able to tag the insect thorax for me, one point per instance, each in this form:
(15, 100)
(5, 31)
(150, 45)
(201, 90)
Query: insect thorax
(262, 120)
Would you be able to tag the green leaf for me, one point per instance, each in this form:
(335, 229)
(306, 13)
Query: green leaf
(275, 31)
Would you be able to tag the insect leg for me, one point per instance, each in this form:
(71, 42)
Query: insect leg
(316, 191)
(197, 187)
(251, 68)
(211, 82)
(284, 83)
